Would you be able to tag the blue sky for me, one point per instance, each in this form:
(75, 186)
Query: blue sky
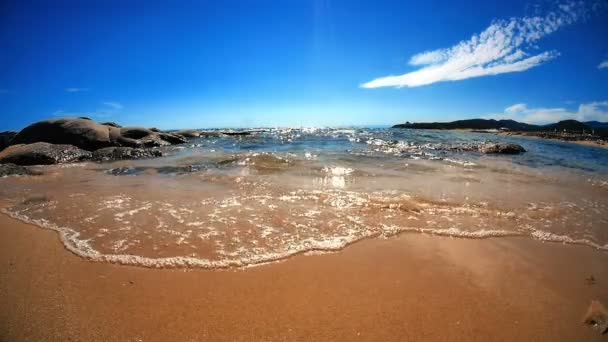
(174, 64)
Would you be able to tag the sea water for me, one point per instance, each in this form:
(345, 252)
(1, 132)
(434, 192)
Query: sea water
(223, 201)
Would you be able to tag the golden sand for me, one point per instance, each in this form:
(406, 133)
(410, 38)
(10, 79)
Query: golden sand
(408, 288)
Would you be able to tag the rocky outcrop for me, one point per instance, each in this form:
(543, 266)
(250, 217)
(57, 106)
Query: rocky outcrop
(12, 169)
(91, 136)
(5, 138)
(43, 153)
(123, 153)
(501, 148)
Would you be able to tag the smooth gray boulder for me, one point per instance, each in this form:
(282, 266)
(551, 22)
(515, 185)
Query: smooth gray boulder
(82, 133)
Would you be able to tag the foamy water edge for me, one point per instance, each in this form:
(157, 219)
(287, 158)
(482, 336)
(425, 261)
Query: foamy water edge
(82, 248)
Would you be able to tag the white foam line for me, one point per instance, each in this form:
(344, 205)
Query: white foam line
(82, 248)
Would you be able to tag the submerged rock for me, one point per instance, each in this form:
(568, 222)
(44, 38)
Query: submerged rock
(5, 138)
(12, 169)
(123, 153)
(42, 153)
(597, 317)
(501, 148)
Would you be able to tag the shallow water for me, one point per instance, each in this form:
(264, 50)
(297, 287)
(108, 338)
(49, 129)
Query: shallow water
(241, 200)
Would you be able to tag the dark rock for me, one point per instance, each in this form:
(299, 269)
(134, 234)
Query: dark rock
(84, 118)
(155, 130)
(189, 133)
(82, 133)
(42, 153)
(123, 153)
(501, 148)
(111, 124)
(5, 138)
(236, 132)
(12, 169)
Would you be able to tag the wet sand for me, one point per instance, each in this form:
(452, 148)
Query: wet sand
(407, 288)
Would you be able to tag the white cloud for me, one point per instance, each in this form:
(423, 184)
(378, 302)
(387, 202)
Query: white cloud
(505, 46)
(593, 111)
(76, 90)
(113, 105)
(603, 65)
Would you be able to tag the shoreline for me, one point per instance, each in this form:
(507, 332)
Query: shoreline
(378, 289)
(520, 134)
(578, 142)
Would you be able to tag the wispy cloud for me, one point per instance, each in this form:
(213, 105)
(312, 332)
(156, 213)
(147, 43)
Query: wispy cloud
(505, 46)
(593, 111)
(104, 110)
(603, 65)
(113, 105)
(76, 90)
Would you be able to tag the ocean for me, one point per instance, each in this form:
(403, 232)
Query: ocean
(242, 200)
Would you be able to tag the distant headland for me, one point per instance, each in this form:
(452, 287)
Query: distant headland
(589, 133)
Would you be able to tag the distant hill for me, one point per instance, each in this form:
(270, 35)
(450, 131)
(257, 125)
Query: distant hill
(470, 124)
(573, 126)
(567, 125)
(596, 124)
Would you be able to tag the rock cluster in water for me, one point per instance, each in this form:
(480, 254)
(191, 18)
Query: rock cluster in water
(69, 140)
(9, 169)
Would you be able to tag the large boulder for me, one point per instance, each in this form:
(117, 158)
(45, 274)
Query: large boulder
(82, 133)
(123, 153)
(43, 153)
(5, 138)
(501, 148)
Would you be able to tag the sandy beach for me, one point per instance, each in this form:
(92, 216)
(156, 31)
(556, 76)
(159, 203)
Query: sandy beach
(408, 288)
